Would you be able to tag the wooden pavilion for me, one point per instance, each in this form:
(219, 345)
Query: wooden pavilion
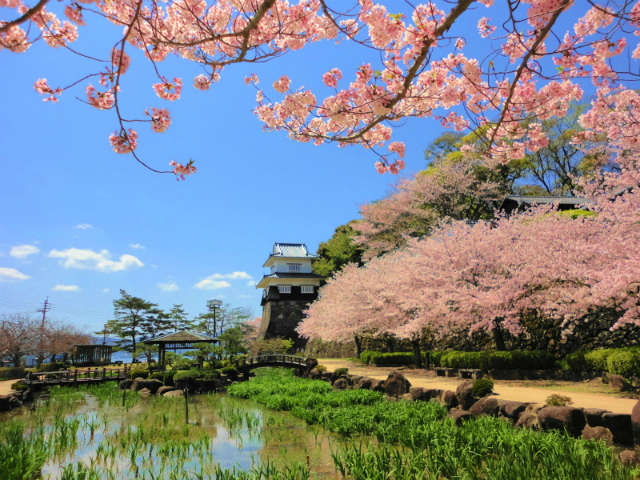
(89, 355)
(182, 340)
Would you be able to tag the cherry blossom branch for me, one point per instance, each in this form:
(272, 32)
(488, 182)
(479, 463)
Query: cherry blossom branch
(24, 18)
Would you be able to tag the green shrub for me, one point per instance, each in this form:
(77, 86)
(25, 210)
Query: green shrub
(576, 361)
(187, 374)
(365, 357)
(138, 372)
(321, 368)
(157, 376)
(399, 358)
(435, 358)
(530, 360)
(556, 400)
(624, 362)
(19, 386)
(11, 373)
(168, 377)
(50, 367)
(482, 387)
(596, 360)
(231, 371)
(341, 371)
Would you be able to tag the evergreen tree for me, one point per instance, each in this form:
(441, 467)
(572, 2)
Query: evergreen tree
(130, 313)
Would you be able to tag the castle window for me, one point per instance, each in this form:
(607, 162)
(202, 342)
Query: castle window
(307, 288)
(284, 288)
(294, 267)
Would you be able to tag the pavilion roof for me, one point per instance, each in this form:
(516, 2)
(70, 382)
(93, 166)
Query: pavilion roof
(183, 336)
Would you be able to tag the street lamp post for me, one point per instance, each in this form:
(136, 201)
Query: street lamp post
(211, 305)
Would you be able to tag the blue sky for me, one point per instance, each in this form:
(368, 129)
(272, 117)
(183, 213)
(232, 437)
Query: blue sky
(79, 222)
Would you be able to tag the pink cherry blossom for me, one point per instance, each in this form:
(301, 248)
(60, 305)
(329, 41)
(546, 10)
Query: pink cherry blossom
(124, 142)
(201, 82)
(160, 119)
(282, 84)
(169, 91)
(181, 170)
(331, 78)
(43, 89)
(120, 61)
(100, 100)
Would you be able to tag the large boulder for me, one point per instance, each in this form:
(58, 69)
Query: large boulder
(485, 406)
(620, 426)
(340, 384)
(126, 384)
(618, 383)
(459, 416)
(528, 420)
(311, 364)
(511, 409)
(562, 418)
(594, 416)
(449, 399)
(377, 385)
(165, 389)
(396, 385)
(145, 392)
(417, 393)
(635, 422)
(136, 384)
(598, 433)
(364, 383)
(174, 393)
(629, 457)
(465, 395)
(151, 384)
(313, 374)
(27, 396)
(430, 393)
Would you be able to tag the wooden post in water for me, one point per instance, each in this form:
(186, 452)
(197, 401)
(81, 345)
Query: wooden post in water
(186, 404)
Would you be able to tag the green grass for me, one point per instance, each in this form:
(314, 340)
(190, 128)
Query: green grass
(416, 441)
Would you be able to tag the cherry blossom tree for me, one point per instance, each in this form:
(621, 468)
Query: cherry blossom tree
(446, 190)
(538, 56)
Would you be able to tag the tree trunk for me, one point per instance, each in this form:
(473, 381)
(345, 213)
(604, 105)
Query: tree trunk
(427, 360)
(417, 358)
(15, 358)
(498, 337)
(390, 341)
(358, 345)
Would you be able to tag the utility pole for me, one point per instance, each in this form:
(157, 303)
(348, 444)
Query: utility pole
(44, 311)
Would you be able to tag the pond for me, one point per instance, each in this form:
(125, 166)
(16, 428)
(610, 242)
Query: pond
(89, 434)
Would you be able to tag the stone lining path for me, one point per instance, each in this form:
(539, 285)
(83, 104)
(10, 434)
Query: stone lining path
(503, 391)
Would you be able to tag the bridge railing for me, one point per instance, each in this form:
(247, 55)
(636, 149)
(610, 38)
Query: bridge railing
(279, 359)
(75, 375)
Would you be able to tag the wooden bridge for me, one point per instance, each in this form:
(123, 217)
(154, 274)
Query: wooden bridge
(75, 377)
(275, 360)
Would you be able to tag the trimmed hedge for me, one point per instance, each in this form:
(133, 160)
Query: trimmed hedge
(50, 367)
(190, 374)
(618, 361)
(157, 376)
(168, 377)
(528, 360)
(341, 371)
(138, 372)
(11, 373)
(531, 360)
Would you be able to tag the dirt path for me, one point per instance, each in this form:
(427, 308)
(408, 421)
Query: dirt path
(5, 386)
(504, 390)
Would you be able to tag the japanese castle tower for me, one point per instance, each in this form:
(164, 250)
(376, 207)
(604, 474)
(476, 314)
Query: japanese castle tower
(287, 291)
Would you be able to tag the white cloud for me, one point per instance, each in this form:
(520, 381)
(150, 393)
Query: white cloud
(232, 276)
(106, 290)
(90, 260)
(137, 245)
(66, 288)
(23, 251)
(210, 284)
(244, 296)
(153, 266)
(251, 283)
(168, 287)
(84, 226)
(12, 275)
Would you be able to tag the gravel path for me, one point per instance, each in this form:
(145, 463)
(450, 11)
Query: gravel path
(421, 378)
